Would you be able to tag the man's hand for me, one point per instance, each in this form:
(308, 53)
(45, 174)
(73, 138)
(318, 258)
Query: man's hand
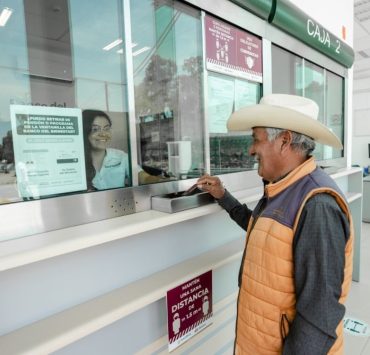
(211, 184)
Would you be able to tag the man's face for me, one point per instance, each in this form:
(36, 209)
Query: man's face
(267, 154)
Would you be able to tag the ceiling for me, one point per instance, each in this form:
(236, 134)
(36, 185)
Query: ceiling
(361, 40)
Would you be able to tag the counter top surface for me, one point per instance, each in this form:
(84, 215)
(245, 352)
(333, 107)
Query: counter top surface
(26, 250)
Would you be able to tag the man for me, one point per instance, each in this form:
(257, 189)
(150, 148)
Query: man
(297, 264)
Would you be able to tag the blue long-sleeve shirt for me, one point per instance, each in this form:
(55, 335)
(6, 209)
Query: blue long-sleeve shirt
(319, 258)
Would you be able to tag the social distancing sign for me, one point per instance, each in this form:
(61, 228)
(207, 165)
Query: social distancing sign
(356, 327)
(189, 309)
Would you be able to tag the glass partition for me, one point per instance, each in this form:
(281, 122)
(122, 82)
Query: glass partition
(229, 150)
(292, 74)
(286, 72)
(167, 61)
(99, 68)
(15, 88)
(64, 99)
(63, 106)
(334, 89)
(234, 71)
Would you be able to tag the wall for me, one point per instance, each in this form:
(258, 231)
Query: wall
(41, 289)
(361, 123)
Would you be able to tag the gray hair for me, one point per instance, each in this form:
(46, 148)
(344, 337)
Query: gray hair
(300, 142)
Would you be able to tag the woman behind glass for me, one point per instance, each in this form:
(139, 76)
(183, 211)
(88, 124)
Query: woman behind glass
(106, 167)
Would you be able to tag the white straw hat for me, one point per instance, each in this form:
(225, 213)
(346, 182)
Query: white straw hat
(294, 113)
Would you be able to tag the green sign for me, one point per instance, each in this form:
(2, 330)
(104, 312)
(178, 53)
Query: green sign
(291, 19)
(261, 8)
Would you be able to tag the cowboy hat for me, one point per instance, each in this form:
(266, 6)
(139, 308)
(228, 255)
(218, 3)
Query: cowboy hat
(290, 112)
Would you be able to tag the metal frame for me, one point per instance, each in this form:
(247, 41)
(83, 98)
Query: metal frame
(31, 217)
(207, 149)
(130, 92)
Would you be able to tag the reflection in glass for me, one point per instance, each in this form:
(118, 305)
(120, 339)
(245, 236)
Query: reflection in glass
(14, 89)
(314, 89)
(293, 75)
(286, 72)
(168, 87)
(101, 90)
(334, 90)
(229, 150)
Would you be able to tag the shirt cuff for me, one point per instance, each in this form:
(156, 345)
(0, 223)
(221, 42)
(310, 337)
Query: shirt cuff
(228, 201)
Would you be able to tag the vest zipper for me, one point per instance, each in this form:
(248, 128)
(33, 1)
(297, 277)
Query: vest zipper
(284, 326)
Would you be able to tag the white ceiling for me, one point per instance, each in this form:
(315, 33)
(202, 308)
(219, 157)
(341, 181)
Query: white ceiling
(361, 41)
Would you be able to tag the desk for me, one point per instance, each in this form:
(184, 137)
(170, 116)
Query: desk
(366, 200)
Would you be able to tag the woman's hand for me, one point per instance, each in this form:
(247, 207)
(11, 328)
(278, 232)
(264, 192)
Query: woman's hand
(211, 184)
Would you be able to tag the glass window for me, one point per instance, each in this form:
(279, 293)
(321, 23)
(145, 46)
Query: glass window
(99, 68)
(286, 72)
(313, 88)
(229, 150)
(167, 61)
(293, 75)
(63, 106)
(234, 65)
(334, 117)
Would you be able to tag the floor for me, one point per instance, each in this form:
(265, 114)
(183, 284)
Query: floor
(358, 302)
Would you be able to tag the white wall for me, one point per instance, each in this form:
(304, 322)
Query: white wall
(361, 124)
(332, 14)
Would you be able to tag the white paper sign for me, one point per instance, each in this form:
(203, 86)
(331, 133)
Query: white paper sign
(48, 150)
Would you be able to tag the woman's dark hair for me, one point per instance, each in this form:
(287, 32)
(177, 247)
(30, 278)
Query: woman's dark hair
(88, 117)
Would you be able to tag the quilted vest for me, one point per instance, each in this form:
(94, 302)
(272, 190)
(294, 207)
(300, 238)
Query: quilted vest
(266, 303)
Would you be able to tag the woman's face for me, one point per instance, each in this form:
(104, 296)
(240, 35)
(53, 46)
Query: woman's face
(100, 134)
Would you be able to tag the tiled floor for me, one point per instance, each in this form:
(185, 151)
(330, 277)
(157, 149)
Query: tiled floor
(358, 302)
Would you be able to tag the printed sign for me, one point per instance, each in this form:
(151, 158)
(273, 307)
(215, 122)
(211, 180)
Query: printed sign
(232, 51)
(356, 327)
(48, 150)
(189, 309)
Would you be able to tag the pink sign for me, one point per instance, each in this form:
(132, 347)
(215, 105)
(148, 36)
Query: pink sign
(232, 51)
(189, 309)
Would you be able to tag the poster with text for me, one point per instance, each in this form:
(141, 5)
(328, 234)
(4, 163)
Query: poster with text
(232, 51)
(48, 150)
(189, 309)
(220, 102)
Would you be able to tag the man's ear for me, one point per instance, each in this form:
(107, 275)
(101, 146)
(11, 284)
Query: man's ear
(286, 139)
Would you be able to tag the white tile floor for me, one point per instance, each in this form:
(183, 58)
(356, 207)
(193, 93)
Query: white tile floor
(358, 302)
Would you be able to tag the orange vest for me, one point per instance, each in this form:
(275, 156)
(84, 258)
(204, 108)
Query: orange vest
(266, 303)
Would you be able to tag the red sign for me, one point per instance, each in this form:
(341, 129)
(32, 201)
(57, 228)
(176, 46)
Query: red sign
(189, 309)
(232, 51)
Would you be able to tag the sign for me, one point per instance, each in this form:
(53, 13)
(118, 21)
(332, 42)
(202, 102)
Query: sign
(48, 150)
(356, 327)
(232, 51)
(226, 95)
(292, 20)
(288, 17)
(220, 102)
(189, 309)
